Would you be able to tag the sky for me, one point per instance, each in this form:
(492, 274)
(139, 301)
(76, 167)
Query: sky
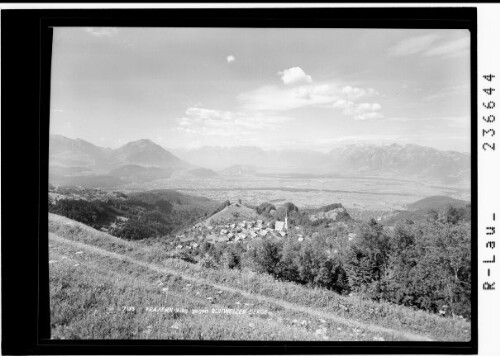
(310, 89)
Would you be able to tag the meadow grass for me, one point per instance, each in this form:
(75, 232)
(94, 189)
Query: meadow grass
(100, 298)
(352, 308)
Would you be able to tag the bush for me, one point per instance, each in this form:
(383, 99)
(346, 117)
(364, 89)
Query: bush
(208, 262)
(265, 209)
(135, 230)
(230, 259)
(301, 262)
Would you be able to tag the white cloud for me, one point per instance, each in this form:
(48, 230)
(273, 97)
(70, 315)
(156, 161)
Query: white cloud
(101, 31)
(230, 58)
(343, 104)
(201, 121)
(273, 98)
(363, 111)
(353, 93)
(412, 45)
(368, 116)
(451, 91)
(449, 48)
(431, 45)
(294, 75)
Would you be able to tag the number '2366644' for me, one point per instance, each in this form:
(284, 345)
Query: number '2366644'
(488, 117)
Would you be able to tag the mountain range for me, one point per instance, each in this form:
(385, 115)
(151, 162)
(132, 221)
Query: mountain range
(392, 161)
(80, 161)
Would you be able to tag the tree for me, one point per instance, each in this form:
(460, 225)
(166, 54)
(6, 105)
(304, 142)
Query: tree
(265, 209)
(367, 259)
(264, 257)
(430, 265)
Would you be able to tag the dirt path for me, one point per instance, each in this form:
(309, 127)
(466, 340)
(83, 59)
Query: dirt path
(293, 307)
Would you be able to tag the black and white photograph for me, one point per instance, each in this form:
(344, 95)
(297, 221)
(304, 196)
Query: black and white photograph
(260, 184)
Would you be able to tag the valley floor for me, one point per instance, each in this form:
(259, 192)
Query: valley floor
(102, 287)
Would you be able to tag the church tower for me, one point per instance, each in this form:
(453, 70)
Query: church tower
(286, 220)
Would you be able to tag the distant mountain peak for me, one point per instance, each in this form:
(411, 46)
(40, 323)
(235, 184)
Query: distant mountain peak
(143, 142)
(142, 152)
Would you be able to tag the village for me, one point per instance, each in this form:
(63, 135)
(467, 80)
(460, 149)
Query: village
(243, 231)
(232, 232)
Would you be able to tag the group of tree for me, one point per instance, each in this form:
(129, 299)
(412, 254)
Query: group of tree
(144, 219)
(425, 264)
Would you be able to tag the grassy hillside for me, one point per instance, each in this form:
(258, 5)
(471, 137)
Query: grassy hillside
(231, 213)
(178, 200)
(436, 202)
(134, 216)
(105, 287)
(423, 208)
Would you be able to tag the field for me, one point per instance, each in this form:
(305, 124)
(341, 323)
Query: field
(356, 192)
(102, 287)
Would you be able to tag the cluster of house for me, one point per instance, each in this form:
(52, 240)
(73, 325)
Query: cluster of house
(233, 232)
(238, 231)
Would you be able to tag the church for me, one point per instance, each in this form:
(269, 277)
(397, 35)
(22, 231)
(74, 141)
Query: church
(282, 225)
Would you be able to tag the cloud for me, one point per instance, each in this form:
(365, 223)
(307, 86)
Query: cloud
(459, 121)
(294, 75)
(452, 91)
(353, 93)
(449, 48)
(202, 121)
(272, 98)
(368, 116)
(431, 45)
(230, 58)
(363, 111)
(364, 139)
(412, 45)
(101, 31)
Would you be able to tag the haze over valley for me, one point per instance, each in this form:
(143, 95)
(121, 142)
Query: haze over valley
(377, 177)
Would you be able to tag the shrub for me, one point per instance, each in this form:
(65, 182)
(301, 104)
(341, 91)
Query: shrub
(135, 230)
(208, 262)
(265, 209)
(230, 259)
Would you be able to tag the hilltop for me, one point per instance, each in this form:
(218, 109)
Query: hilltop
(436, 202)
(423, 208)
(234, 212)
